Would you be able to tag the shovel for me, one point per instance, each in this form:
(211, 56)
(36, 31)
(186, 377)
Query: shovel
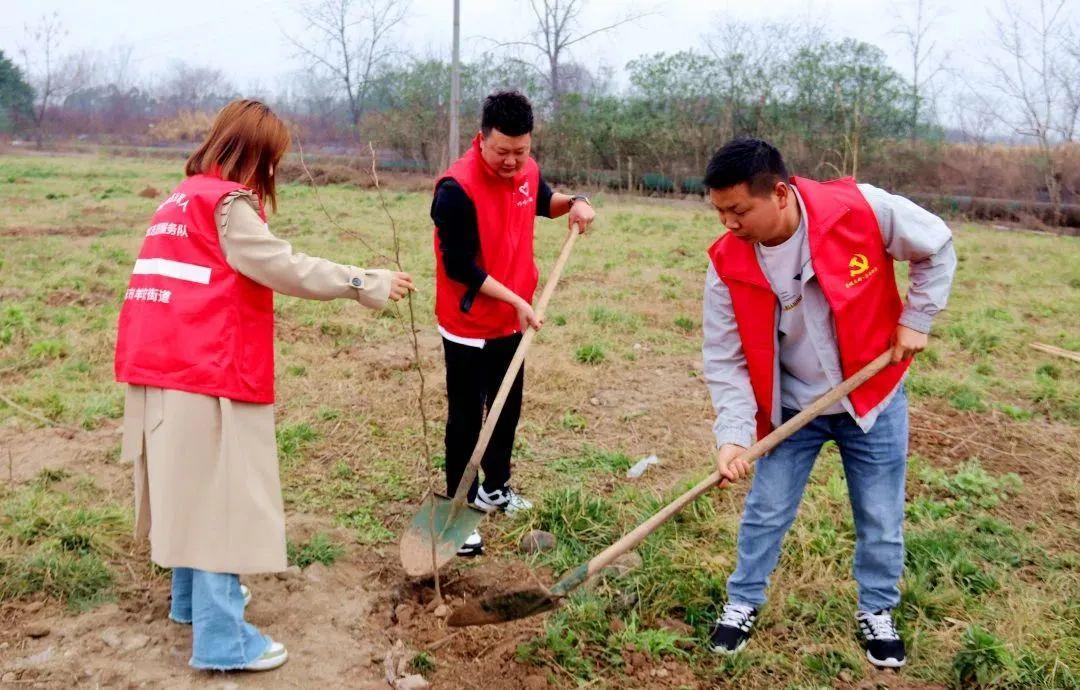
(529, 601)
(443, 524)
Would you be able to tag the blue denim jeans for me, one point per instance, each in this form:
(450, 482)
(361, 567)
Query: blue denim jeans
(214, 606)
(874, 465)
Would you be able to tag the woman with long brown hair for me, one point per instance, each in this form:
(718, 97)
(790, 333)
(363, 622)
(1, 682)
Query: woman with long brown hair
(195, 348)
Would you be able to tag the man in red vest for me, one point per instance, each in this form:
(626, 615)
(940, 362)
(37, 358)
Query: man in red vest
(484, 210)
(800, 294)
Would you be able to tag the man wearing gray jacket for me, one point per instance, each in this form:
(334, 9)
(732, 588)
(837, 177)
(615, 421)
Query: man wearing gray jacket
(800, 294)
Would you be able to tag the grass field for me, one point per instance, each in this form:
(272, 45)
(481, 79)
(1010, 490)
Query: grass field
(991, 594)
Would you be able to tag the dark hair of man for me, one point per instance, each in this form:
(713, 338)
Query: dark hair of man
(753, 161)
(510, 112)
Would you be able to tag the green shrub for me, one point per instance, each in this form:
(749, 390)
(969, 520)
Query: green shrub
(982, 662)
(590, 354)
(319, 550)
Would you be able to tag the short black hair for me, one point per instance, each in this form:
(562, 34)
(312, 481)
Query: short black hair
(510, 112)
(753, 161)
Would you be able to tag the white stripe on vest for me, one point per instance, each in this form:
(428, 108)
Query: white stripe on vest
(172, 269)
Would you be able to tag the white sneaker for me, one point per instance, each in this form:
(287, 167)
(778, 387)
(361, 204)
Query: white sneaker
(473, 546)
(274, 656)
(505, 499)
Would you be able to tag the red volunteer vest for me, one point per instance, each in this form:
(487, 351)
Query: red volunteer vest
(189, 321)
(505, 217)
(856, 276)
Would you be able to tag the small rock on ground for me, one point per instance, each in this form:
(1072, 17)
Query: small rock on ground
(111, 637)
(36, 630)
(413, 682)
(403, 613)
(316, 572)
(536, 541)
(37, 659)
(136, 641)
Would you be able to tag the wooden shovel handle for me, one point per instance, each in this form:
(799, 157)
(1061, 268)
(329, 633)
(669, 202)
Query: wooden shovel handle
(462, 490)
(635, 537)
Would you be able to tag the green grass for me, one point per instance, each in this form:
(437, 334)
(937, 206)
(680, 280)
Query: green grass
(319, 549)
(423, 663)
(614, 376)
(591, 460)
(56, 538)
(590, 354)
(962, 563)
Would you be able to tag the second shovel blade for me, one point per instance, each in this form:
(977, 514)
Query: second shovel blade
(438, 524)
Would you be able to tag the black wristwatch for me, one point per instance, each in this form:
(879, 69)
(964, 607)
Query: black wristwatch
(579, 197)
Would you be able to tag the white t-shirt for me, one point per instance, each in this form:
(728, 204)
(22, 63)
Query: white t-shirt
(802, 378)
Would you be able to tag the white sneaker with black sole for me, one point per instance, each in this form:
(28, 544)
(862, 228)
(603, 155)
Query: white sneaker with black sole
(505, 499)
(473, 546)
(884, 648)
(732, 630)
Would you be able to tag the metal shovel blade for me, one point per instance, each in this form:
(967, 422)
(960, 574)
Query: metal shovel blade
(504, 607)
(449, 527)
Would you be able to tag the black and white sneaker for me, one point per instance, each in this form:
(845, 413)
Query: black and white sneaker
(473, 546)
(732, 629)
(505, 499)
(884, 648)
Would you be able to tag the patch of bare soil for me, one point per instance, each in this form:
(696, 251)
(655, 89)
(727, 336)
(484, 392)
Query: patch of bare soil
(24, 454)
(323, 614)
(67, 231)
(81, 298)
(1043, 453)
(356, 172)
(342, 623)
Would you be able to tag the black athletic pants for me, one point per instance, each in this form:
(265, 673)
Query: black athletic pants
(473, 376)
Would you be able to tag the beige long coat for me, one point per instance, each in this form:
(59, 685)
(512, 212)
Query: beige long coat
(207, 491)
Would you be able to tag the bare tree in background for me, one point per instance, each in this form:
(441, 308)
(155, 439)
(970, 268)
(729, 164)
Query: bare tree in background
(349, 40)
(1031, 36)
(192, 87)
(119, 68)
(52, 75)
(1067, 71)
(927, 61)
(557, 30)
(975, 117)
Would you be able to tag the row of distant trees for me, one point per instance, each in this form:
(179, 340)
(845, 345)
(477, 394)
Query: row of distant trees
(836, 106)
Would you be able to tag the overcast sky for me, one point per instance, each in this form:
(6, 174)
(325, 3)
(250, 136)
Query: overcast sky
(245, 39)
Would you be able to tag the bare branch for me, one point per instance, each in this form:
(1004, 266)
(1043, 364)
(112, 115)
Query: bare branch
(554, 33)
(609, 27)
(350, 40)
